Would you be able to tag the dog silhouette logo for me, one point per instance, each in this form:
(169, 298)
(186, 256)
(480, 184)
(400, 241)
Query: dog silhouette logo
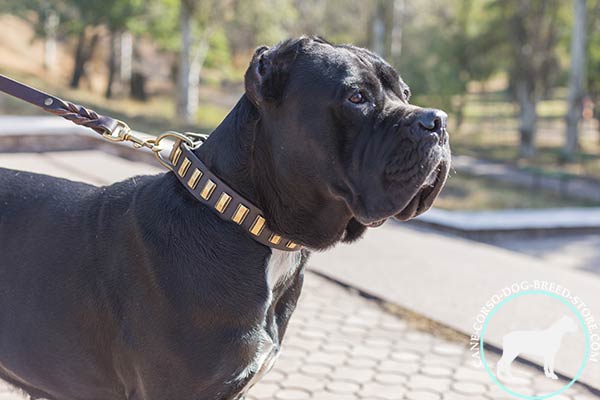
(545, 343)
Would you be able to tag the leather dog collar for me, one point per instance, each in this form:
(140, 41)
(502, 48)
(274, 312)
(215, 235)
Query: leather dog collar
(205, 186)
(229, 205)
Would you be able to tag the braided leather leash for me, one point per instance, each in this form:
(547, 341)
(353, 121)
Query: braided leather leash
(205, 186)
(73, 112)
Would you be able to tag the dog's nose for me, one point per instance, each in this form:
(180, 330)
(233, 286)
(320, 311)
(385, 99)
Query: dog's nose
(432, 120)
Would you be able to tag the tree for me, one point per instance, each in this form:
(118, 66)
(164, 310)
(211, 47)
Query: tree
(197, 22)
(386, 27)
(268, 22)
(381, 28)
(398, 20)
(117, 15)
(84, 18)
(577, 78)
(444, 49)
(528, 32)
(43, 17)
(593, 60)
(51, 20)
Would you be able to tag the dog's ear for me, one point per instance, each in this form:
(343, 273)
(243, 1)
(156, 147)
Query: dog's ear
(268, 72)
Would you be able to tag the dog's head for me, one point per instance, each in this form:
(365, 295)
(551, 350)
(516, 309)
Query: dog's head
(343, 135)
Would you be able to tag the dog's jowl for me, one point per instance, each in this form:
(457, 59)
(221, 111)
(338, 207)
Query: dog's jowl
(138, 291)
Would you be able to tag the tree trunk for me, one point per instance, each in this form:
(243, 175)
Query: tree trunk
(527, 117)
(185, 109)
(459, 111)
(577, 79)
(195, 69)
(191, 58)
(126, 56)
(50, 26)
(79, 60)
(83, 52)
(596, 111)
(112, 65)
(378, 29)
(397, 26)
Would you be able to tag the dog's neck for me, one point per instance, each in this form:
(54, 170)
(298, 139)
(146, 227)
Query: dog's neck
(235, 152)
(229, 151)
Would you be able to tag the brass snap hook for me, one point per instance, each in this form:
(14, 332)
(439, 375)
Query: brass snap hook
(178, 137)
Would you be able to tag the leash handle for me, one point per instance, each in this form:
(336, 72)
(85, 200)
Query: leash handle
(108, 127)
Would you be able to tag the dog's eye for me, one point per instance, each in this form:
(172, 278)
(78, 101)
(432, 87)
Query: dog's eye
(406, 94)
(357, 98)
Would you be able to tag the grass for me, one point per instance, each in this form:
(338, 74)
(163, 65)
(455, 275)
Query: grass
(465, 192)
(211, 114)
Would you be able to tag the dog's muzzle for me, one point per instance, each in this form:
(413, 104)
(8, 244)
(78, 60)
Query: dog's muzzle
(430, 125)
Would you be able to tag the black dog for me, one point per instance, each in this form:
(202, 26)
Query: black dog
(137, 291)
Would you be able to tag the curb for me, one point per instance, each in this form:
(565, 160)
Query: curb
(421, 322)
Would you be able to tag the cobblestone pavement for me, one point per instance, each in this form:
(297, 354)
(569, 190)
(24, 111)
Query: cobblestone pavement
(341, 346)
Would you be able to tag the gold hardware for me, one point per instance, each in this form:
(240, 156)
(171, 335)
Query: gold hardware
(122, 133)
(274, 238)
(240, 214)
(196, 175)
(185, 165)
(291, 245)
(175, 156)
(180, 139)
(208, 190)
(223, 202)
(257, 226)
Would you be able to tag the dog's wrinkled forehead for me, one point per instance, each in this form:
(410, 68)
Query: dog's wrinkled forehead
(303, 64)
(314, 62)
(353, 67)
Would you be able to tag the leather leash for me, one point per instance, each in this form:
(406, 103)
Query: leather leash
(204, 185)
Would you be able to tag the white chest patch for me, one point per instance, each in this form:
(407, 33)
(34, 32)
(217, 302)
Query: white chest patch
(281, 265)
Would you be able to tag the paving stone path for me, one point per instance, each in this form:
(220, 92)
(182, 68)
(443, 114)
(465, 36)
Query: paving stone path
(341, 346)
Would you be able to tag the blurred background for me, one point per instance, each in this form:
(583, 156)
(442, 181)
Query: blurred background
(520, 79)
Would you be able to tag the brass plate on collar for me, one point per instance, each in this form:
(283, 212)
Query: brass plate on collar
(257, 226)
(208, 190)
(175, 156)
(223, 202)
(291, 245)
(274, 238)
(185, 165)
(193, 181)
(240, 214)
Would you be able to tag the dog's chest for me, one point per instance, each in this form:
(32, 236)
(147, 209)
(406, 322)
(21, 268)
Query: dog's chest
(280, 268)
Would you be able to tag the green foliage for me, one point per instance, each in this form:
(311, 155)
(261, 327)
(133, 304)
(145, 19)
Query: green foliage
(443, 49)
(35, 12)
(527, 36)
(219, 53)
(160, 22)
(75, 15)
(340, 21)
